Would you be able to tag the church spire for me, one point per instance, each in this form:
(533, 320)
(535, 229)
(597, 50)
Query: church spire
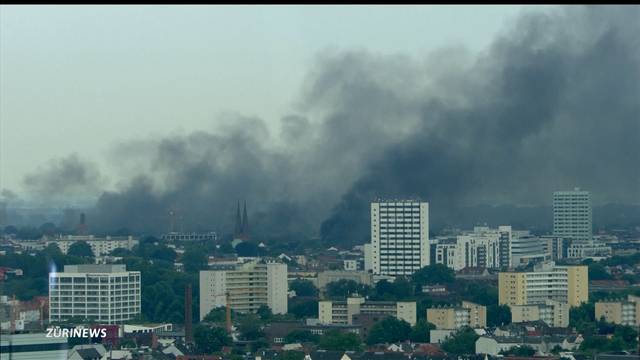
(237, 233)
(245, 222)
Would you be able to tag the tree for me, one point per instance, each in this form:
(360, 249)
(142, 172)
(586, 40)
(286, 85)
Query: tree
(218, 314)
(81, 249)
(210, 339)
(583, 318)
(301, 336)
(336, 340)
(597, 271)
(264, 312)
(389, 330)
(194, 259)
(247, 249)
(345, 288)
(303, 308)
(292, 355)
(522, 350)
(162, 252)
(434, 274)
(303, 288)
(462, 342)
(420, 332)
(250, 328)
(498, 315)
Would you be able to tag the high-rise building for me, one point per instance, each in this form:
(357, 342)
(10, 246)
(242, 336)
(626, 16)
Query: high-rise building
(247, 287)
(105, 293)
(399, 236)
(572, 218)
(342, 312)
(565, 284)
(455, 317)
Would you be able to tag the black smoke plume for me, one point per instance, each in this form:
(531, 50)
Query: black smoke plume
(553, 103)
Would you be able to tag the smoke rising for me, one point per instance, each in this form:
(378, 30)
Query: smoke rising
(64, 179)
(553, 103)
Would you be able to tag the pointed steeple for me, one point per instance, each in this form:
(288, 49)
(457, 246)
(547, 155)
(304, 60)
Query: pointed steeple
(245, 222)
(237, 233)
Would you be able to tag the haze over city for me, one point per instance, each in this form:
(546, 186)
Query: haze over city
(129, 113)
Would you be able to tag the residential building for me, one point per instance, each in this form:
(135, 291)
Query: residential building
(350, 265)
(330, 276)
(105, 293)
(33, 346)
(399, 236)
(526, 248)
(548, 281)
(342, 312)
(368, 257)
(622, 312)
(553, 313)
(481, 248)
(450, 318)
(205, 237)
(572, 217)
(99, 246)
(247, 286)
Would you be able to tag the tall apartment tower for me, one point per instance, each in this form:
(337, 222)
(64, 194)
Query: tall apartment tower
(399, 236)
(572, 216)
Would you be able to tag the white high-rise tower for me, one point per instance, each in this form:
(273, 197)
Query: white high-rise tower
(399, 236)
(572, 216)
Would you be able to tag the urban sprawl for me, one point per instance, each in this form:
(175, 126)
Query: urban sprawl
(480, 293)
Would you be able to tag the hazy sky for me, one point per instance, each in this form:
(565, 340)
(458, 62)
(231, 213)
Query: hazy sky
(82, 78)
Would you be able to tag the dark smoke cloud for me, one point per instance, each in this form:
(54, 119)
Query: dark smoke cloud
(553, 103)
(65, 179)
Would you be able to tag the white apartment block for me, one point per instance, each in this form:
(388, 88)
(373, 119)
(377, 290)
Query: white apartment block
(526, 248)
(572, 217)
(247, 286)
(553, 313)
(399, 236)
(99, 246)
(483, 247)
(104, 293)
(341, 312)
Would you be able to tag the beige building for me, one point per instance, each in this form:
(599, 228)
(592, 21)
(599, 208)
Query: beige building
(248, 286)
(449, 318)
(327, 277)
(341, 312)
(565, 284)
(553, 313)
(620, 312)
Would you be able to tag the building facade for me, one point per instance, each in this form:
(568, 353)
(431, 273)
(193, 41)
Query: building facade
(553, 313)
(565, 284)
(399, 236)
(572, 217)
(33, 347)
(247, 286)
(330, 276)
(483, 247)
(108, 294)
(622, 312)
(99, 246)
(451, 318)
(342, 312)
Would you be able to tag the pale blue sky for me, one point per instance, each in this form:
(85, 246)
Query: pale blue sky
(81, 78)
